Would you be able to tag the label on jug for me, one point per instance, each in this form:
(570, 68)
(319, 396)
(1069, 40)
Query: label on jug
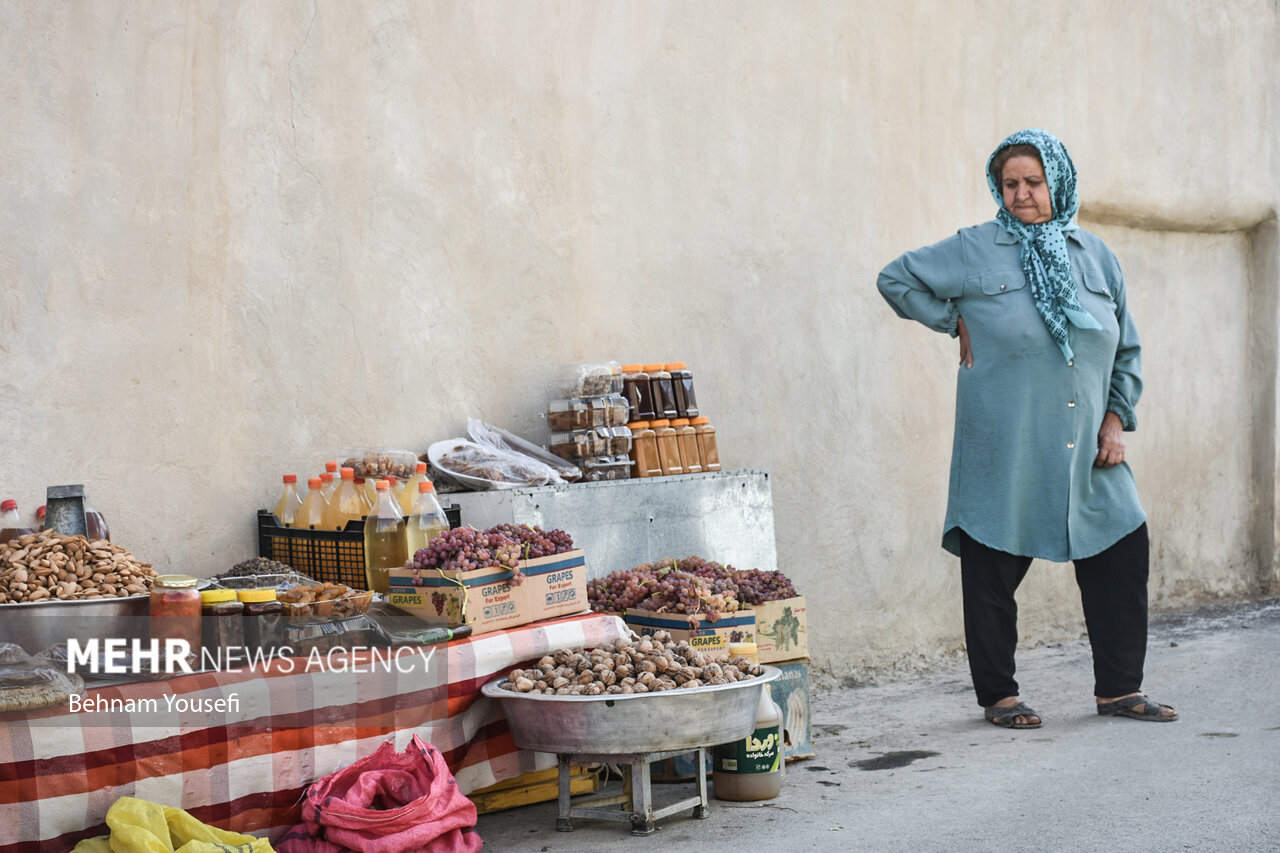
(759, 752)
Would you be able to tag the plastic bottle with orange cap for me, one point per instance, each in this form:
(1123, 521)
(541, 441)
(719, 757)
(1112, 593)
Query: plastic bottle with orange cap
(426, 519)
(310, 515)
(385, 540)
(289, 501)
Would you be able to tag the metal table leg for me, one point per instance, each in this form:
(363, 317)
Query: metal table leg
(635, 801)
(641, 799)
(701, 811)
(564, 822)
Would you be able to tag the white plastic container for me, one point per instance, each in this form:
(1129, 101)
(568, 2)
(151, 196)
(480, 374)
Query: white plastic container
(753, 768)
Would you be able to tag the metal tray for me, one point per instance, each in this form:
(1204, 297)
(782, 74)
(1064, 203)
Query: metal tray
(632, 723)
(38, 625)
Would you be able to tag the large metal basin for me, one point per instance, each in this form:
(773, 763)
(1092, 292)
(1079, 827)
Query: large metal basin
(38, 625)
(626, 724)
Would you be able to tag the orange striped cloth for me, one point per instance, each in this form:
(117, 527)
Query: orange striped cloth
(295, 722)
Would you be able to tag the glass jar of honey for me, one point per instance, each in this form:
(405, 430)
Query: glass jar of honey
(175, 610)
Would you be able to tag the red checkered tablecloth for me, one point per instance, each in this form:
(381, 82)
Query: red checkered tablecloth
(296, 723)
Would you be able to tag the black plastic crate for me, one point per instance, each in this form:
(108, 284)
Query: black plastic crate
(332, 556)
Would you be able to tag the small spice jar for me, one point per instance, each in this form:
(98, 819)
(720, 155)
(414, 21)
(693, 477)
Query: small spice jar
(664, 395)
(687, 441)
(707, 449)
(565, 415)
(263, 620)
(668, 447)
(222, 625)
(639, 394)
(644, 451)
(682, 386)
(619, 441)
(175, 610)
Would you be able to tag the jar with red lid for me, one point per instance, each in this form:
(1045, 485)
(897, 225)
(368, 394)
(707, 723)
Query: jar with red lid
(175, 610)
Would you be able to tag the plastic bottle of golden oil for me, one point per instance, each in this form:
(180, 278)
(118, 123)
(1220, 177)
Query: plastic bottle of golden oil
(425, 520)
(408, 492)
(752, 768)
(385, 546)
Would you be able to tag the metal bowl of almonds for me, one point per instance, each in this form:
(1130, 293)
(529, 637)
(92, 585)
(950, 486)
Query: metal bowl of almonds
(55, 587)
(39, 625)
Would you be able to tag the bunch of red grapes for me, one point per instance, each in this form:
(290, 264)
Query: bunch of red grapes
(693, 586)
(534, 541)
(465, 549)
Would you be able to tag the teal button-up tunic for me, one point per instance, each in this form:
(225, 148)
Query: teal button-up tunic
(1026, 431)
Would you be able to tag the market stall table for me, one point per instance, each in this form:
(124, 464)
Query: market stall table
(246, 768)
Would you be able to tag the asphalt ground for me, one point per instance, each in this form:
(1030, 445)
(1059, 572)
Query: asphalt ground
(912, 766)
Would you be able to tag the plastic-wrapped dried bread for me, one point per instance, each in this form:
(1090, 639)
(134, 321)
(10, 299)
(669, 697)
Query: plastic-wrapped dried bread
(481, 467)
(497, 437)
(27, 682)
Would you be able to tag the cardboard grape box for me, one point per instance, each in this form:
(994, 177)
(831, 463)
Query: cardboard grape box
(708, 636)
(483, 599)
(782, 630)
(555, 586)
(791, 691)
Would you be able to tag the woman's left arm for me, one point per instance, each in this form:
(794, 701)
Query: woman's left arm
(1126, 380)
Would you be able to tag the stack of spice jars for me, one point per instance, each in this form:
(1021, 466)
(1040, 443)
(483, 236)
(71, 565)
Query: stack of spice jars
(589, 426)
(668, 436)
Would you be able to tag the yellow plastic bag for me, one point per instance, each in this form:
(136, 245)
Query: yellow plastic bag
(138, 826)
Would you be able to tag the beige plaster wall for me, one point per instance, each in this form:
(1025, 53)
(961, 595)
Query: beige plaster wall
(237, 237)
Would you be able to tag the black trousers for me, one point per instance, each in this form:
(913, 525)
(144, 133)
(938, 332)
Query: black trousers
(1113, 591)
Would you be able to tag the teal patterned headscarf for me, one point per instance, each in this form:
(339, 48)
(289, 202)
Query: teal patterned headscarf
(1044, 248)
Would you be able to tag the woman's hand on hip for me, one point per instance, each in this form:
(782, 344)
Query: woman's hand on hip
(966, 351)
(1110, 441)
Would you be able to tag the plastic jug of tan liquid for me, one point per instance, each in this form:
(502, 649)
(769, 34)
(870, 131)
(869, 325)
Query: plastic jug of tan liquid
(752, 768)
(289, 501)
(310, 516)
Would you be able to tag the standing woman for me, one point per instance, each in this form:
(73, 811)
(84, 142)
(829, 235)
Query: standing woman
(1050, 374)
